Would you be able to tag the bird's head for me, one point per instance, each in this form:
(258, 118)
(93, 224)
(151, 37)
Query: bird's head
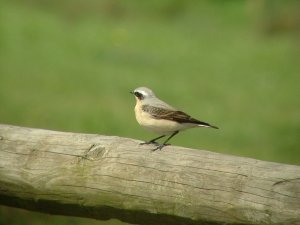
(142, 93)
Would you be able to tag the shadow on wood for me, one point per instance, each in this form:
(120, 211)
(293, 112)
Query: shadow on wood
(105, 177)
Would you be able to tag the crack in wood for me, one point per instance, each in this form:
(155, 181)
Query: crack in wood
(286, 181)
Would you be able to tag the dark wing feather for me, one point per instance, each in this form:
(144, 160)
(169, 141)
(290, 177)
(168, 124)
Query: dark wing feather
(177, 116)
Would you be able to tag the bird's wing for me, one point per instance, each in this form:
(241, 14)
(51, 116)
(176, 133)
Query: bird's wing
(173, 115)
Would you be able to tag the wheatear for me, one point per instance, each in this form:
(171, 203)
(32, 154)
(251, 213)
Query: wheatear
(161, 118)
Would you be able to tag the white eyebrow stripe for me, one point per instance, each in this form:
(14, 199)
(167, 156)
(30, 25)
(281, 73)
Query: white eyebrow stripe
(142, 92)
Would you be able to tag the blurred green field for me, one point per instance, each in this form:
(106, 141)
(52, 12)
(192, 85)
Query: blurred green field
(69, 66)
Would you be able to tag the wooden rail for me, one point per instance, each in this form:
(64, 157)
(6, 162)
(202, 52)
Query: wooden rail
(105, 177)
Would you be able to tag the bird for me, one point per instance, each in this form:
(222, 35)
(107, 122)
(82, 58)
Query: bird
(159, 117)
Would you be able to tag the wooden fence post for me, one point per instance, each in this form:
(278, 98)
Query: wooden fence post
(105, 177)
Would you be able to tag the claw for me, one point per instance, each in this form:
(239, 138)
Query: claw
(159, 147)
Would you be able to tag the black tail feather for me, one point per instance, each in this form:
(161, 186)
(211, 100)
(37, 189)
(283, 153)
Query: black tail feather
(200, 123)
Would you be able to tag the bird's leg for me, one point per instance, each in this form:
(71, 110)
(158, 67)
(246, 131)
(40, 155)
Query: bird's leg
(165, 142)
(152, 141)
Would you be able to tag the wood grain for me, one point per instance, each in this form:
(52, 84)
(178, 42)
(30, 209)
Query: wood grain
(105, 177)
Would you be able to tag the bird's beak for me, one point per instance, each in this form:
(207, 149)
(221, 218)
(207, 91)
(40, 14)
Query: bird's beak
(131, 92)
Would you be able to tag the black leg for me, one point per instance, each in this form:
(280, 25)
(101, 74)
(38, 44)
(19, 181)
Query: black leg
(152, 141)
(165, 142)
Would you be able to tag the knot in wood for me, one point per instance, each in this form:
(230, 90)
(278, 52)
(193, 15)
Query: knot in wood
(96, 151)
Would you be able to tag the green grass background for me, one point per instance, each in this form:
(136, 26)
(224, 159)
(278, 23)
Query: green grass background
(69, 66)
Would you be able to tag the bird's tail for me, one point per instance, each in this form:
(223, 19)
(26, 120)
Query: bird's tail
(204, 124)
(212, 126)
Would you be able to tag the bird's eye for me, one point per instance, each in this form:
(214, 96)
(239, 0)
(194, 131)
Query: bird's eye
(138, 95)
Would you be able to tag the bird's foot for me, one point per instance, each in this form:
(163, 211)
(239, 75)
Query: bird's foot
(149, 143)
(159, 147)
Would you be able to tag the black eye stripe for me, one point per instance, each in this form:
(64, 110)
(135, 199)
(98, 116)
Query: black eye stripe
(138, 95)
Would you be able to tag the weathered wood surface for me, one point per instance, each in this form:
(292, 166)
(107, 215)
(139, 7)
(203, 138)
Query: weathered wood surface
(105, 177)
